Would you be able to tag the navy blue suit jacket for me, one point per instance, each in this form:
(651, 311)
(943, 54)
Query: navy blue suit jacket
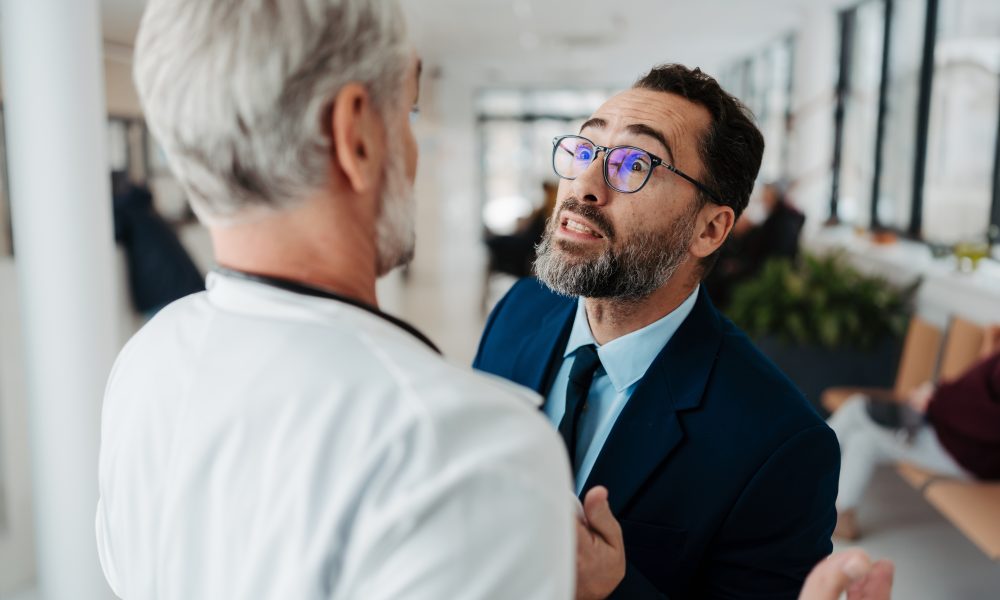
(721, 474)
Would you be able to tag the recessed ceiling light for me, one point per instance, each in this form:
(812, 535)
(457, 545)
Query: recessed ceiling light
(523, 9)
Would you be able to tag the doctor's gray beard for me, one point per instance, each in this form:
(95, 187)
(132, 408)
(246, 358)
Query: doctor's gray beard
(395, 230)
(646, 262)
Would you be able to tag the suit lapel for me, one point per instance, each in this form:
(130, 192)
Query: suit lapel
(648, 428)
(540, 355)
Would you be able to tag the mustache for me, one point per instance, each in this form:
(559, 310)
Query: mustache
(587, 211)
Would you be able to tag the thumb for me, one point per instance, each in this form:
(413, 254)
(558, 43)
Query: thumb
(833, 576)
(599, 517)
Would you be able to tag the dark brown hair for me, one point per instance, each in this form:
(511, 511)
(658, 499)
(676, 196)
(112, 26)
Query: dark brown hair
(732, 147)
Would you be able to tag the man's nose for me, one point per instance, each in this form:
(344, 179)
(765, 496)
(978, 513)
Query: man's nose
(590, 186)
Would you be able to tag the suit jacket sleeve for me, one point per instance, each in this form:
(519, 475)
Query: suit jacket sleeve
(781, 525)
(635, 586)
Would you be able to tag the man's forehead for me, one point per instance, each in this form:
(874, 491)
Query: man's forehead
(648, 112)
(661, 110)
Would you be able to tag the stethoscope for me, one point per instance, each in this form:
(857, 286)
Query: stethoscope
(307, 290)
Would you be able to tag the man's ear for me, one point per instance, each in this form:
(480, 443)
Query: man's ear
(358, 135)
(714, 222)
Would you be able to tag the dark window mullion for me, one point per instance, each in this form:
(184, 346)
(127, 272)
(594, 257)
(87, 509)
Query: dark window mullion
(923, 118)
(847, 21)
(995, 213)
(789, 109)
(883, 99)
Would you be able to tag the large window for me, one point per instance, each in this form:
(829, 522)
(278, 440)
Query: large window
(900, 127)
(764, 83)
(861, 87)
(962, 133)
(773, 108)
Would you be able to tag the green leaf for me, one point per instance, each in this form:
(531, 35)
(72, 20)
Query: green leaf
(821, 300)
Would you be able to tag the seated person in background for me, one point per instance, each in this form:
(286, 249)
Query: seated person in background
(751, 246)
(960, 438)
(160, 270)
(514, 254)
(778, 235)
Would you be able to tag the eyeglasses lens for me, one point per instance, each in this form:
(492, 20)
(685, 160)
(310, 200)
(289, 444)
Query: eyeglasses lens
(628, 168)
(572, 157)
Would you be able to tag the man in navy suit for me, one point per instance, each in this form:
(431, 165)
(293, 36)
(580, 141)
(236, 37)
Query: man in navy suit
(722, 477)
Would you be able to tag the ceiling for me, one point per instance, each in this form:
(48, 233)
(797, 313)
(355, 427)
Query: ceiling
(558, 42)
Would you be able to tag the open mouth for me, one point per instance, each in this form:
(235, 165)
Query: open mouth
(579, 227)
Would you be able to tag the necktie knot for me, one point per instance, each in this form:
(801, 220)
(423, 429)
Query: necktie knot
(585, 363)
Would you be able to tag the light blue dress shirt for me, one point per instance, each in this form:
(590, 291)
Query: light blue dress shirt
(623, 363)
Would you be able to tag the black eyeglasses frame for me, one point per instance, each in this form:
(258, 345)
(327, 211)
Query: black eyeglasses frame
(655, 161)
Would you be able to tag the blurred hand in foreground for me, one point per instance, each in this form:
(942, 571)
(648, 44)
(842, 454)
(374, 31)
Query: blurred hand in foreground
(850, 571)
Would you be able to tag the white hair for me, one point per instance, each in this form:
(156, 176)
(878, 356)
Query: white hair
(237, 91)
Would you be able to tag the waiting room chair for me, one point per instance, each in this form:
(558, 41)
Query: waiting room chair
(961, 348)
(917, 364)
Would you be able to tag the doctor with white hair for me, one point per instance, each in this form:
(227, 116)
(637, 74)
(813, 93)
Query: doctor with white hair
(278, 436)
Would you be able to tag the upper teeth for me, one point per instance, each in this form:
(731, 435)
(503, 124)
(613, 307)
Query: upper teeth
(571, 224)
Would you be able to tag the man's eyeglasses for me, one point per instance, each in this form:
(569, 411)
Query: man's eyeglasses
(626, 168)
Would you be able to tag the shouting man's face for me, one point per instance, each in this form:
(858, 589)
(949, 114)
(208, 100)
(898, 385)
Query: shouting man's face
(603, 243)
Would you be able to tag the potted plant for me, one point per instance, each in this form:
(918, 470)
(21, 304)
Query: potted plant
(824, 323)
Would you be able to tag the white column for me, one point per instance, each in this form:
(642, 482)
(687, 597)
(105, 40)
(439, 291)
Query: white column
(56, 137)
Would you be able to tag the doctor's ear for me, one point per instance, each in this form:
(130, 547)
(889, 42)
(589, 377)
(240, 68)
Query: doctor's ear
(712, 226)
(358, 136)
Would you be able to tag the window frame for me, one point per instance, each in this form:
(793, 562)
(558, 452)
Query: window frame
(994, 233)
(922, 125)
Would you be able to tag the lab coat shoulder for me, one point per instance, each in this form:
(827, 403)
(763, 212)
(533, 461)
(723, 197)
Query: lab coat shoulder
(482, 471)
(471, 420)
(422, 471)
(470, 459)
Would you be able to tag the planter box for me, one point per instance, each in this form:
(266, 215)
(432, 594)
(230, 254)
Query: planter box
(813, 369)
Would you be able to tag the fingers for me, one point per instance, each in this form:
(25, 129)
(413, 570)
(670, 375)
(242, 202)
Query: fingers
(597, 513)
(583, 534)
(830, 578)
(876, 585)
(880, 580)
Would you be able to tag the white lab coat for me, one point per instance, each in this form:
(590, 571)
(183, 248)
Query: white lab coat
(258, 443)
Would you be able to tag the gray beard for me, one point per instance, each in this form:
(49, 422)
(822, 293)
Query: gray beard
(395, 229)
(628, 275)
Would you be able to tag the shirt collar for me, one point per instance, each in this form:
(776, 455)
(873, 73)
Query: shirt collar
(626, 359)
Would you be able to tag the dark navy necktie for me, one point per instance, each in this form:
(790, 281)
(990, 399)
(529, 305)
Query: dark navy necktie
(585, 363)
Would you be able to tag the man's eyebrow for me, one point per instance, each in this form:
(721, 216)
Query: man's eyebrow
(594, 122)
(640, 129)
(636, 129)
